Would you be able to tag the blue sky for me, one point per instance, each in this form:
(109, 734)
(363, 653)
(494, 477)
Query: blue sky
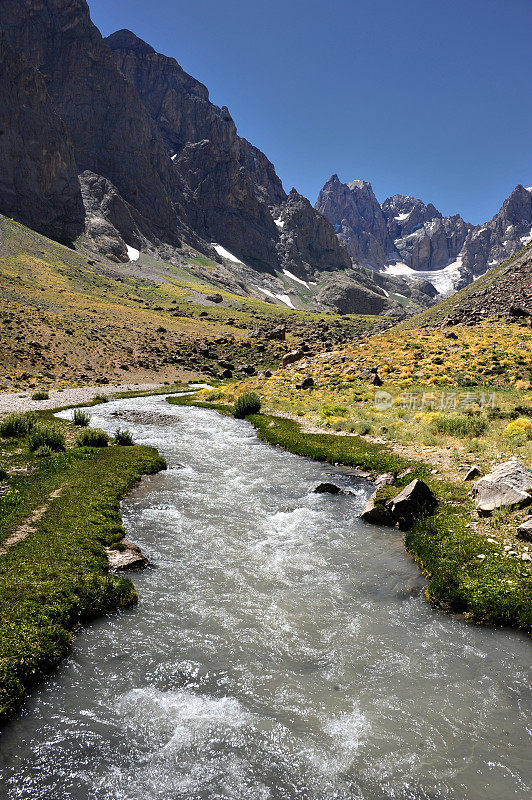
(424, 97)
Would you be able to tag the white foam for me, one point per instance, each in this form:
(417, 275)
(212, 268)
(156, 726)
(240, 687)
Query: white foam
(295, 278)
(132, 253)
(225, 253)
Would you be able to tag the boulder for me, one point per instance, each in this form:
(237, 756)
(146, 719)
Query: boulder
(307, 383)
(524, 531)
(328, 488)
(292, 357)
(376, 513)
(214, 298)
(472, 473)
(414, 501)
(508, 485)
(129, 558)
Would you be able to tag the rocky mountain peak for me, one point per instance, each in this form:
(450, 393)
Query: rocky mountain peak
(126, 40)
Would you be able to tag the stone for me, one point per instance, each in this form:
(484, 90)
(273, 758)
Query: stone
(524, 531)
(127, 559)
(385, 479)
(472, 473)
(414, 501)
(214, 298)
(328, 488)
(377, 514)
(307, 383)
(292, 357)
(508, 485)
(227, 373)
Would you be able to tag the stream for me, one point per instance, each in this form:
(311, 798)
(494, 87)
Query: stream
(281, 649)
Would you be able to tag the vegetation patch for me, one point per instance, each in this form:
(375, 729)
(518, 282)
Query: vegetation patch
(57, 576)
(92, 437)
(248, 403)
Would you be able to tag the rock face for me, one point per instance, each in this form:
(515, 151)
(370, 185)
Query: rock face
(38, 185)
(501, 237)
(307, 240)
(358, 220)
(406, 230)
(232, 193)
(508, 485)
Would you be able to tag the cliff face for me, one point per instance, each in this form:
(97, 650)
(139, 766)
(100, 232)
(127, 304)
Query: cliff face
(38, 184)
(307, 241)
(111, 132)
(506, 233)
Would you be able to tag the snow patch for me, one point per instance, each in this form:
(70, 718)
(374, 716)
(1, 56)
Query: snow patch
(225, 253)
(174, 156)
(399, 268)
(282, 297)
(132, 253)
(528, 238)
(444, 280)
(401, 217)
(279, 222)
(295, 278)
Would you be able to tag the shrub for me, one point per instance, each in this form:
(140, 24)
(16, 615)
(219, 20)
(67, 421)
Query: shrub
(44, 451)
(40, 395)
(248, 403)
(81, 418)
(41, 435)
(100, 398)
(92, 437)
(460, 425)
(17, 424)
(123, 437)
(3, 475)
(519, 427)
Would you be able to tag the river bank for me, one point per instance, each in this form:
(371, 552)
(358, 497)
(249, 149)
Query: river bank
(58, 513)
(467, 572)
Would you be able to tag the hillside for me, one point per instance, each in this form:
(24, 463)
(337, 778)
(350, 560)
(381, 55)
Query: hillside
(493, 295)
(70, 317)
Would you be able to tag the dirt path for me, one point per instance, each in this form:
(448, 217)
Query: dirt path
(28, 526)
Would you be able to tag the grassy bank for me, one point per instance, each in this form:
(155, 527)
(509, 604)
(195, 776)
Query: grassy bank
(67, 507)
(467, 571)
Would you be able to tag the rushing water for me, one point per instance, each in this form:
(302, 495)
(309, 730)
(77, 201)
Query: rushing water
(281, 649)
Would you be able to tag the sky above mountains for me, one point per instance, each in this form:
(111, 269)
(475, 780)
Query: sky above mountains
(424, 98)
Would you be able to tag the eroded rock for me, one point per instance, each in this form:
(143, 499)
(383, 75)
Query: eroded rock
(508, 485)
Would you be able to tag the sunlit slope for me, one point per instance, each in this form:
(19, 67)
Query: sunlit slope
(69, 316)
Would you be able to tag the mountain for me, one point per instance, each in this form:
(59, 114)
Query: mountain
(404, 235)
(503, 292)
(115, 143)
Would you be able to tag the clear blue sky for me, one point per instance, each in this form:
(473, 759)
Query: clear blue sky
(431, 98)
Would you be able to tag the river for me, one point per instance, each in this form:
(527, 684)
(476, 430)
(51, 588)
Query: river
(281, 649)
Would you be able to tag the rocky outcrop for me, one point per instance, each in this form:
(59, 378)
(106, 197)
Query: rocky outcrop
(506, 233)
(128, 557)
(38, 175)
(406, 230)
(227, 183)
(307, 241)
(508, 485)
(358, 220)
(352, 293)
(435, 244)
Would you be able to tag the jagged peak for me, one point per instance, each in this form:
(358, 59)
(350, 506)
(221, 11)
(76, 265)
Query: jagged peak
(359, 183)
(125, 39)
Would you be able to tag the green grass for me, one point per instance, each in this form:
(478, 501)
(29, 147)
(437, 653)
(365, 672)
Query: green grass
(494, 589)
(57, 577)
(92, 437)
